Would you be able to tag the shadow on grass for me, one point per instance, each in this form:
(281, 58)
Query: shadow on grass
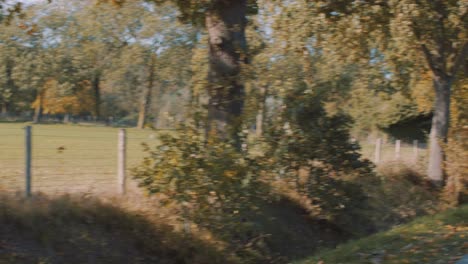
(84, 230)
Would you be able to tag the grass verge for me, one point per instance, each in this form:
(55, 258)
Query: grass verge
(441, 238)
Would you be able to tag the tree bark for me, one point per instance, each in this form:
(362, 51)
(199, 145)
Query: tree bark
(226, 22)
(96, 84)
(146, 96)
(439, 129)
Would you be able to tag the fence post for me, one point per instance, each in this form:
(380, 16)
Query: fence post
(378, 150)
(397, 149)
(27, 164)
(415, 150)
(122, 159)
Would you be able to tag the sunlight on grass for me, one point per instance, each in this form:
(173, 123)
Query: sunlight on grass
(68, 157)
(432, 239)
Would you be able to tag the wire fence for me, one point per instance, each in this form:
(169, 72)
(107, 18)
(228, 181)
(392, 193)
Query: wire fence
(92, 160)
(395, 151)
(69, 160)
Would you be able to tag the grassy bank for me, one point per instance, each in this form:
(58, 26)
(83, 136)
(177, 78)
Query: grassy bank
(441, 238)
(85, 230)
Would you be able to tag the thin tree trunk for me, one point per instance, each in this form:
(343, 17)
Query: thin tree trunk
(4, 110)
(96, 84)
(307, 67)
(146, 96)
(261, 113)
(10, 84)
(439, 129)
(38, 107)
(226, 22)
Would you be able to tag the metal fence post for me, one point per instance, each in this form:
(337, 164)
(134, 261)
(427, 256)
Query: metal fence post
(121, 165)
(397, 149)
(27, 164)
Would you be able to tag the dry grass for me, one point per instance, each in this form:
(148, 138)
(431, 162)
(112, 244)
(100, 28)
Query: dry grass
(85, 230)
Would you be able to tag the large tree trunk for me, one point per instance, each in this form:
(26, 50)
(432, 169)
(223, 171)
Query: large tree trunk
(226, 22)
(96, 84)
(439, 129)
(146, 96)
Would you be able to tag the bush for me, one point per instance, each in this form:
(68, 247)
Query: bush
(209, 183)
(316, 164)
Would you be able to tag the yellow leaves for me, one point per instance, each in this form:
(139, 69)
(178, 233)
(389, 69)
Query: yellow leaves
(230, 173)
(117, 3)
(423, 93)
(56, 98)
(458, 108)
(29, 29)
(173, 161)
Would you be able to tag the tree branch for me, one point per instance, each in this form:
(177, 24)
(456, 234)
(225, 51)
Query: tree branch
(427, 54)
(429, 57)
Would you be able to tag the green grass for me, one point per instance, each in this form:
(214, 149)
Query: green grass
(67, 158)
(432, 239)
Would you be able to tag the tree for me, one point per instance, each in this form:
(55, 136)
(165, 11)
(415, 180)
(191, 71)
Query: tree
(422, 34)
(9, 50)
(8, 10)
(225, 22)
(142, 65)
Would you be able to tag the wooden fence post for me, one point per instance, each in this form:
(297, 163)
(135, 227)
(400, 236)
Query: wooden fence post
(122, 159)
(27, 163)
(378, 150)
(398, 149)
(415, 150)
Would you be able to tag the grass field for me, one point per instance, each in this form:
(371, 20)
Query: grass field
(432, 239)
(68, 158)
(83, 158)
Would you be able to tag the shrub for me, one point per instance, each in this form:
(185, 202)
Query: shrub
(315, 162)
(209, 183)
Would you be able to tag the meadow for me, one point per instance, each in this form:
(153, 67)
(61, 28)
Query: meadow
(82, 158)
(68, 158)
